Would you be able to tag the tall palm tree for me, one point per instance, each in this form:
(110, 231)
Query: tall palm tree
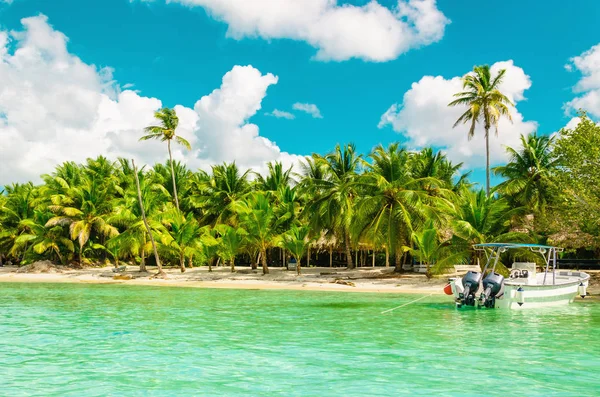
(529, 171)
(394, 203)
(166, 132)
(485, 104)
(134, 239)
(334, 196)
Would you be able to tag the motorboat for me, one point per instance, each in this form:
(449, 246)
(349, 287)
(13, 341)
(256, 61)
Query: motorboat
(527, 286)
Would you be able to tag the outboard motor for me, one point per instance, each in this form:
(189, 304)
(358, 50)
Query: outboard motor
(493, 287)
(470, 283)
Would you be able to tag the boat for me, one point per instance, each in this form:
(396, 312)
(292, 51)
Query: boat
(526, 287)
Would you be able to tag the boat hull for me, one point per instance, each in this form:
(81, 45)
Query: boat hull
(518, 295)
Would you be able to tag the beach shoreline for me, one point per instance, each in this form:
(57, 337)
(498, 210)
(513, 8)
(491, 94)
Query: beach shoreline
(312, 279)
(361, 280)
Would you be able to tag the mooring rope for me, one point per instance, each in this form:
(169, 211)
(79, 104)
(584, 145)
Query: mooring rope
(408, 303)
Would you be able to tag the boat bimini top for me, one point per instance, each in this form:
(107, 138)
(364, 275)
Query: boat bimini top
(494, 250)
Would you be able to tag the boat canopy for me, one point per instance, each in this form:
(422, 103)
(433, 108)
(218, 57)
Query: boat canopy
(548, 252)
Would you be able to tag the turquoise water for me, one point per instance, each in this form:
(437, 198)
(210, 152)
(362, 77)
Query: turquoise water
(109, 340)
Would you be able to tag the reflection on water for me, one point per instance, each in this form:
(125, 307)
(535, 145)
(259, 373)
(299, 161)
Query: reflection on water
(99, 340)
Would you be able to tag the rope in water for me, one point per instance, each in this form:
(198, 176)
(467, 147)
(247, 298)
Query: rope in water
(408, 303)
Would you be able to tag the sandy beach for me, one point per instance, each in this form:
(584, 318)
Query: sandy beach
(313, 279)
(372, 280)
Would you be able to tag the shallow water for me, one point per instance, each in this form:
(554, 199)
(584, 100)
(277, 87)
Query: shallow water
(110, 340)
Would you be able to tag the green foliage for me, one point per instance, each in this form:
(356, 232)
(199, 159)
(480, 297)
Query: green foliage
(393, 200)
(529, 173)
(296, 241)
(578, 181)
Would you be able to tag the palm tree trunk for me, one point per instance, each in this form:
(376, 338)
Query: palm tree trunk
(182, 263)
(298, 265)
(232, 262)
(173, 176)
(330, 257)
(398, 264)
(387, 257)
(348, 251)
(263, 259)
(210, 262)
(255, 261)
(143, 257)
(487, 161)
(160, 273)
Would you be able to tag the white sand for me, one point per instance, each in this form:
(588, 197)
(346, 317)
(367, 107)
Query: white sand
(312, 279)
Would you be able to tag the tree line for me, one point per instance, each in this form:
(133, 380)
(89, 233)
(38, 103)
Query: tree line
(392, 204)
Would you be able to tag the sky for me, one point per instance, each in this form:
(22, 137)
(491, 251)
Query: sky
(255, 81)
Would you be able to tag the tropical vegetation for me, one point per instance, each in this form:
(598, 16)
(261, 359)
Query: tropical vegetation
(393, 206)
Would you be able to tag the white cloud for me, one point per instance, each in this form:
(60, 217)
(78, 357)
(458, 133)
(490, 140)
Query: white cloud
(426, 120)
(281, 114)
(588, 64)
(338, 31)
(223, 129)
(309, 108)
(54, 107)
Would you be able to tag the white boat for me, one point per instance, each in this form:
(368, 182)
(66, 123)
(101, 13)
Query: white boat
(525, 288)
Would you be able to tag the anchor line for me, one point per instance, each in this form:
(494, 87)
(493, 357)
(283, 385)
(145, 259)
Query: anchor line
(408, 303)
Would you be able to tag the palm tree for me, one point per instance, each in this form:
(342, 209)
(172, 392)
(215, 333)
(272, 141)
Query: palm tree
(85, 211)
(529, 171)
(485, 103)
(127, 215)
(334, 196)
(183, 239)
(427, 164)
(394, 203)
(258, 219)
(166, 132)
(276, 179)
(436, 254)
(40, 239)
(296, 240)
(217, 195)
(484, 219)
(18, 206)
(231, 242)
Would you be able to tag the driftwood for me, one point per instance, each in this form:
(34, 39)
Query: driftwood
(343, 282)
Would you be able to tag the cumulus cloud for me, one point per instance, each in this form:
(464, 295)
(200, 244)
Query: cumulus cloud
(338, 31)
(54, 107)
(223, 128)
(425, 119)
(309, 108)
(281, 114)
(588, 64)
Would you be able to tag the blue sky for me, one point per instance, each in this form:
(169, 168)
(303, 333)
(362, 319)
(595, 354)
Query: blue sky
(178, 53)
